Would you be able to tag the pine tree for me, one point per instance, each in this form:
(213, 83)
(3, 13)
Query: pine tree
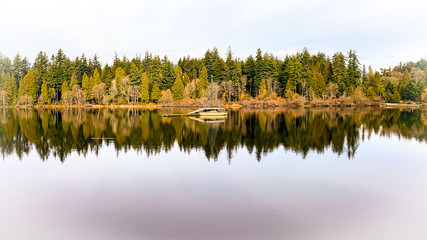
(10, 87)
(249, 71)
(156, 94)
(259, 70)
(178, 89)
(376, 84)
(178, 72)
(73, 80)
(27, 86)
(318, 82)
(396, 95)
(145, 95)
(65, 88)
(135, 75)
(185, 79)
(339, 71)
(86, 85)
(168, 74)
(45, 93)
(262, 90)
(219, 70)
(353, 70)
(96, 77)
(118, 75)
(293, 71)
(203, 84)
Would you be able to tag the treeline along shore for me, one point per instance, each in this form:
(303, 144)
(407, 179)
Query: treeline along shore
(263, 80)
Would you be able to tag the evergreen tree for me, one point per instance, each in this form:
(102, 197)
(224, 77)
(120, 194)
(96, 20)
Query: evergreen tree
(45, 93)
(96, 77)
(178, 72)
(73, 80)
(396, 95)
(339, 71)
(365, 79)
(203, 84)
(41, 64)
(86, 86)
(178, 89)
(353, 70)
(168, 74)
(10, 87)
(318, 82)
(106, 76)
(185, 79)
(19, 68)
(27, 86)
(65, 88)
(262, 90)
(293, 71)
(156, 94)
(259, 70)
(219, 70)
(145, 95)
(155, 72)
(249, 71)
(376, 84)
(135, 75)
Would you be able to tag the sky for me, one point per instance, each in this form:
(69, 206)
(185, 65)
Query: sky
(383, 33)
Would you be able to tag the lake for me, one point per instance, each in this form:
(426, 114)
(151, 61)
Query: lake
(258, 174)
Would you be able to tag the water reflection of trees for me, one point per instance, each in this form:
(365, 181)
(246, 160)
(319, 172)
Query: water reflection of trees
(60, 132)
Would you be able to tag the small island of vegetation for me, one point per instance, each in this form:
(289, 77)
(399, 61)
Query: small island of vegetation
(260, 81)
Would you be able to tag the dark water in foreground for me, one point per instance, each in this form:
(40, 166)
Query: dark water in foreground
(339, 174)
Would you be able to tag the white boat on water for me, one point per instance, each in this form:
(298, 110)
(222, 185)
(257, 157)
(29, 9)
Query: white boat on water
(215, 112)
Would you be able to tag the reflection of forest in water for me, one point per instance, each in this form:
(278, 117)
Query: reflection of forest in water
(60, 132)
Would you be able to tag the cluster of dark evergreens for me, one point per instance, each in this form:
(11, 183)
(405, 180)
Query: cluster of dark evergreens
(68, 130)
(151, 78)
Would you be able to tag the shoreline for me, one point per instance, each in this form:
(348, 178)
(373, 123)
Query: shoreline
(231, 105)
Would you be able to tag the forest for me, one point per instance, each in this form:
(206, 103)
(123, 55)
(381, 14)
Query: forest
(151, 79)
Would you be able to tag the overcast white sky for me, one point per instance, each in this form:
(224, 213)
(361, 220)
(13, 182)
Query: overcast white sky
(382, 32)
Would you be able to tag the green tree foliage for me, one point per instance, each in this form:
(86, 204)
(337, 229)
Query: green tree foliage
(65, 87)
(219, 70)
(168, 74)
(156, 94)
(293, 72)
(145, 94)
(249, 71)
(318, 82)
(135, 75)
(27, 86)
(107, 76)
(96, 78)
(377, 85)
(353, 71)
(339, 71)
(203, 84)
(309, 75)
(178, 89)
(185, 79)
(396, 95)
(10, 88)
(86, 85)
(259, 70)
(262, 90)
(45, 93)
(74, 80)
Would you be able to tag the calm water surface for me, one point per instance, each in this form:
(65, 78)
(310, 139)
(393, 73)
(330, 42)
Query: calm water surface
(277, 174)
